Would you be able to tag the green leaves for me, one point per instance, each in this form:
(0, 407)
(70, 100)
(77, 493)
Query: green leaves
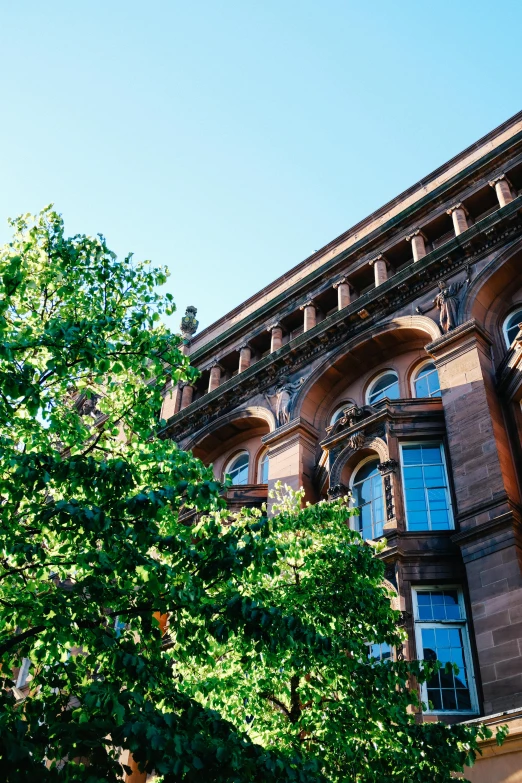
(262, 671)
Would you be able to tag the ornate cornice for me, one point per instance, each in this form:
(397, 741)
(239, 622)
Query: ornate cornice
(405, 286)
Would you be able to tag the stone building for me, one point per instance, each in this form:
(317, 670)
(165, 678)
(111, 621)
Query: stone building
(389, 362)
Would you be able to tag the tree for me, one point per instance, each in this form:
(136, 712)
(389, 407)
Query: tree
(106, 530)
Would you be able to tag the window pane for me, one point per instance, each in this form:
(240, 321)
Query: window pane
(431, 454)
(365, 471)
(422, 388)
(238, 470)
(417, 520)
(264, 469)
(423, 471)
(434, 384)
(512, 326)
(435, 699)
(411, 455)
(382, 651)
(385, 386)
(365, 491)
(368, 497)
(446, 690)
(463, 699)
(449, 699)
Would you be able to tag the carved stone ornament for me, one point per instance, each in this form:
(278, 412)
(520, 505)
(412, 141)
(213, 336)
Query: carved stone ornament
(338, 491)
(449, 300)
(356, 441)
(86, 406)
(189, 324)
(284, 393)
(388, 496)
(387, 467)
(351, 415)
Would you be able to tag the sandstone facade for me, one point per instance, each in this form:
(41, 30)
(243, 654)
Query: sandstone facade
(390, 363)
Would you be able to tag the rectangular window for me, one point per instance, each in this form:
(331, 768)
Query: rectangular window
(426, 490)
(442, 635)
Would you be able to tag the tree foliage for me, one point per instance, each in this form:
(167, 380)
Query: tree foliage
(264, 673)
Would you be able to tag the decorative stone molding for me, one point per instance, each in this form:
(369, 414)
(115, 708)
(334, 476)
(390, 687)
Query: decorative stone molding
(356, 441)
(460, 206)
(389, 466)
(347, 327)
(338, 491)
(416, 233)
(283, 393)
(503, 189)
(371, 442)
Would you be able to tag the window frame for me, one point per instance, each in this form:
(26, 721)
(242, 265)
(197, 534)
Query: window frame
(370, 458)
(517, 309)
(414, 377)
(373, 382)
(226, 470)
(463, 625)
(448, 487)
(262, 457)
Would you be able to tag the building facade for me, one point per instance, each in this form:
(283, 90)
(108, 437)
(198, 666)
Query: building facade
(389, 363)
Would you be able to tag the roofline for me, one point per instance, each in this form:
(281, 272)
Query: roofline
(357, 227)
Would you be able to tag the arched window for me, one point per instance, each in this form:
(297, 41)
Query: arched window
(368, 498)
(263, 469)
(426, 381)
(386, 385)
(511, 326)
(237, 468)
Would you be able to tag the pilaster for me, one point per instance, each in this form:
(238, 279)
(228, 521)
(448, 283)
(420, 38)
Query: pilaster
(291, 454)
(486, 508)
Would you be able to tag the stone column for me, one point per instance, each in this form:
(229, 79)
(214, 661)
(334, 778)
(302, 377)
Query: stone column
(215, 376)
(380, 268)
(310, 316)
(277, 336)
(502, 189)
(418, 244)
(291, 454)
(344, 292)
(487, 500)
(458, 214)
(245, 356)
(186, 395)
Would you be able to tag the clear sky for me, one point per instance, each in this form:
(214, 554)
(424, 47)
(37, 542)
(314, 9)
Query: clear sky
(231, 139)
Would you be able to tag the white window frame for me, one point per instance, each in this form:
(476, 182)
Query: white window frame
(506, 319)
(445, 466)
(231, 462)
(352, 519)
(263, 456)
(415, 376)
(377, 377)
(434, 624)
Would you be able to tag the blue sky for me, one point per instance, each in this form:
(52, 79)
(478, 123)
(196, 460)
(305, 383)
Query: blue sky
(231, 139)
